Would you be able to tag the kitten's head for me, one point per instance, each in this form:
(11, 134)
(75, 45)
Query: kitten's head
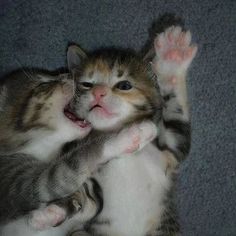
(113, 88)
(34, 103)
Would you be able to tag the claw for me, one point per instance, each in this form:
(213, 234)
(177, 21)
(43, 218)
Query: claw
(76, 204)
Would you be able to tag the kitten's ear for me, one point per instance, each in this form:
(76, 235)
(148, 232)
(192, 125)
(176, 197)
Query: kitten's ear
(74, 56)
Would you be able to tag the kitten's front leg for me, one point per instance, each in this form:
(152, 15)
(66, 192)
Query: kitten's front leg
(130, 139)
(50, 216)
(174, 54)
(55, 213)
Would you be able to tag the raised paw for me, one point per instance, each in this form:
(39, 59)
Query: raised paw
(138, 135)
(50, 216)
(174, 52)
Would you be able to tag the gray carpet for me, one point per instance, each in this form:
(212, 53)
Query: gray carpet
(36, 34)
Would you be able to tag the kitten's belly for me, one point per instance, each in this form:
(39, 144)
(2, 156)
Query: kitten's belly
(133, 189)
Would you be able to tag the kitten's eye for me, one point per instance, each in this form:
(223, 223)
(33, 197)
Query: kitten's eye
(86, 85)
(124, 85)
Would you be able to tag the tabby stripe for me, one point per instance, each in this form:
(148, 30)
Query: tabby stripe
(98, 193)
(182, 135)
(24, 107)
(168, 97)
(179, 127)
(87, 192)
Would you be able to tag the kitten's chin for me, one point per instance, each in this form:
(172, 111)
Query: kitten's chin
(104, 123)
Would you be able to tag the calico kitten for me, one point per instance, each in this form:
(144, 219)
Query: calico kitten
(114, 90)
(35, 124)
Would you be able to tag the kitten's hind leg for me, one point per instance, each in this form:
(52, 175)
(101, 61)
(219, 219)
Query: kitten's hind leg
(174, 54)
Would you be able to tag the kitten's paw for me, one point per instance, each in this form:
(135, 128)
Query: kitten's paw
(138, 135)
(174, 52)
(50, 216)
(129, 140)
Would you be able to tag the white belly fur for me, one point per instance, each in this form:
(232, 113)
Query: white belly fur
(133, 190)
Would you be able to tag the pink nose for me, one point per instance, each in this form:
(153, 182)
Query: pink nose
(99, 91)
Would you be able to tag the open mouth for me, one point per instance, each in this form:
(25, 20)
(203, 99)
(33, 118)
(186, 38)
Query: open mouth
(74, 118)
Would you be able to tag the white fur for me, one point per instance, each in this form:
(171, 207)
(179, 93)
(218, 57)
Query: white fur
(115, 104)
(133, 188)
(45, 146)
(46, 217)
(130, 139)
(129, 185)
(21, 227)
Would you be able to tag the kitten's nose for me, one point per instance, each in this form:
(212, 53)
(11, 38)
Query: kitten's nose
(99, 91)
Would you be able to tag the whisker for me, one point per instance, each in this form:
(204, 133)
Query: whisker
(30, 76)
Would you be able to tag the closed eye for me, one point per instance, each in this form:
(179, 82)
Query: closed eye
(124, 85)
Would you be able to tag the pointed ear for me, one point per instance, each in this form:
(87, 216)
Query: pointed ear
(74, 56)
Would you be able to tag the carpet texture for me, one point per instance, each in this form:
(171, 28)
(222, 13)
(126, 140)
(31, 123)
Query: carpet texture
(36, 34)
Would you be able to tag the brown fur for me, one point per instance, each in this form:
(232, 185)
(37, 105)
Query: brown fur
(24, 108)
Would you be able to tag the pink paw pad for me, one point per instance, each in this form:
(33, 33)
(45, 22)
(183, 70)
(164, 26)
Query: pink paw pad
(49, 217)
(173, 46)
(174, 55)
(134, 146)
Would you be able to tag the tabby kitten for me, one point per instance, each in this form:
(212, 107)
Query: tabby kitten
(33, 128)
(35, 124)
(114, 90)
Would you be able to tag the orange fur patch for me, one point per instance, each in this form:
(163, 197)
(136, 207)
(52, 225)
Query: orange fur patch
(132, 96)
(100, 66)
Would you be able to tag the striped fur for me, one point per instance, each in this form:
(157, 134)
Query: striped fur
(34, 171)
(173, 57)
(31, 109)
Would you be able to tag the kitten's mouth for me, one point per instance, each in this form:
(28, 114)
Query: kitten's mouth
(101, 110)
(74, 118)
(96, 106)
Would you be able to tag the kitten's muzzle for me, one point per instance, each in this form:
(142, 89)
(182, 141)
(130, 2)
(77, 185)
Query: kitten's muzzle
(74, 118)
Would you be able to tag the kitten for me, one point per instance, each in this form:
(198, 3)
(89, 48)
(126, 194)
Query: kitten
(33, 128)
(115, 89)
(35, 124)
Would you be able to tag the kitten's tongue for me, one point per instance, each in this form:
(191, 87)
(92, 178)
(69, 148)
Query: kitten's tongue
(71, 116)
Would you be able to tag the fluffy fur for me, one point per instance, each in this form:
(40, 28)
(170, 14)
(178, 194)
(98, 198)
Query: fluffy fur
(115, 89)
(35, 124)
